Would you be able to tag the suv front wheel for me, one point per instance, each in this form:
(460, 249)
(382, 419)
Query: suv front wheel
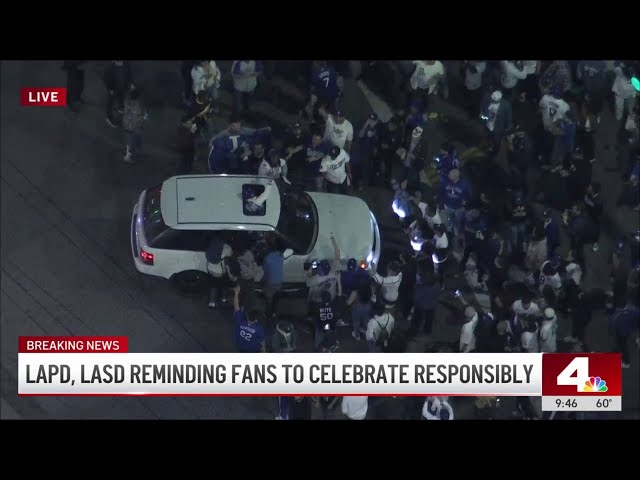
(191, 281)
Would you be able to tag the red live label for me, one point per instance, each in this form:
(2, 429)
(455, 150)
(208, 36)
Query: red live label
(581, 374)
(43, 97)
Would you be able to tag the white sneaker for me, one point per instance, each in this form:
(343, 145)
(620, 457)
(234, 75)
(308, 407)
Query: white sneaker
(596, 247)
(570, 339)
(341, 323)
(128, 158)
(279, 418)
(212, 304)
(626, 365)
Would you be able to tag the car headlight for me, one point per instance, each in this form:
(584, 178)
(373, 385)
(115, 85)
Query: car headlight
(369, 258)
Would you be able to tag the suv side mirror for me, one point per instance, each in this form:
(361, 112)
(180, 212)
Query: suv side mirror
(287, 253)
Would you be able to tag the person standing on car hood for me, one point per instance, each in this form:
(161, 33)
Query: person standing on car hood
(336, 170)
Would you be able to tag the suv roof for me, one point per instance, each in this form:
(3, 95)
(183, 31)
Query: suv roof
(214, 202)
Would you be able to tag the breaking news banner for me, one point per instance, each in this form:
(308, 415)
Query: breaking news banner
(94, 366)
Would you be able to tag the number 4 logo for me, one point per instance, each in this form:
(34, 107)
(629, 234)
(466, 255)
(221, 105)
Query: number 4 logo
(578, 366)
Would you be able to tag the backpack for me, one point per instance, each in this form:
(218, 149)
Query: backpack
(214, 251)
(383, 336)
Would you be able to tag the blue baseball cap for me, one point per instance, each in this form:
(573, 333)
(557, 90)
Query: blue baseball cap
(325, 267)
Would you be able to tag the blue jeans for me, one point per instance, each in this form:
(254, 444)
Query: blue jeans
(517, 235)
(454, 220)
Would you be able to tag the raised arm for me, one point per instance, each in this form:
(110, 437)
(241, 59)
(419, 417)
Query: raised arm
(336, 249)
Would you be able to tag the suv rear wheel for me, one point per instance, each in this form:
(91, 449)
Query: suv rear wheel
(191, 281)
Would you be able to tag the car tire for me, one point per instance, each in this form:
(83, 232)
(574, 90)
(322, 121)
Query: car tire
(191, 281)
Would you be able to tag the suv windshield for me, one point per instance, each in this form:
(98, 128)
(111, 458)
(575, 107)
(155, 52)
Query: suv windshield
(298, 221)
(152, 215)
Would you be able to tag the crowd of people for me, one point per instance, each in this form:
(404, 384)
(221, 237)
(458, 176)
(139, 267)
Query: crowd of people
(493, 213)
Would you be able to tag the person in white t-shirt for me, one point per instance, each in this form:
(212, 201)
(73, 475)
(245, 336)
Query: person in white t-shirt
(549, 276)
(548, 331)
(467, 334)
(625, 93)
(390, 284)
(473, 72)
(274, 167)
(441, 256)
(206, 78)
(379, 328)
(554, 109)
(338, 130)
(511, 72)
(427, 75)
(336, 170)
(521, 308)
(437, 408)
(355, 407)
(529, 337)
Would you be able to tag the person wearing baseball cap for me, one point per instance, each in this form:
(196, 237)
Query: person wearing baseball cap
(497, 114)
(339, 130)
(336, 170)
(548, 331)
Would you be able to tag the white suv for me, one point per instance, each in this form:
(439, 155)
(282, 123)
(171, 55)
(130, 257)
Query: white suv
(173, 224)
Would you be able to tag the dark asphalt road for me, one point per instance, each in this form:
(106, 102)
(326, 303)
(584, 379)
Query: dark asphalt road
(65, 255)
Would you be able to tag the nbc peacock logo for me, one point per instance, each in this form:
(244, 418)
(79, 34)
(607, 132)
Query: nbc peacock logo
(595, 384)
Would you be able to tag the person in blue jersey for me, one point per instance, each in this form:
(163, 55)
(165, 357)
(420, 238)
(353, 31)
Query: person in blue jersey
(315, 150)
(447, 159)
(454, 193)
(416, 117)
(326, 87)
(230, 145)
(248, 331)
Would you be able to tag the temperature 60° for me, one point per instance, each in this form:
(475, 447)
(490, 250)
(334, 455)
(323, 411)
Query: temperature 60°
(603, 402)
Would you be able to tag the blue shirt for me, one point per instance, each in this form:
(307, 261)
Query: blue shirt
(273, 266)
(447, 162)
(249, 337)
(552, 232)
(315, 153)
(353, 280)
(625, 321)
(325, 83)
(453, 195)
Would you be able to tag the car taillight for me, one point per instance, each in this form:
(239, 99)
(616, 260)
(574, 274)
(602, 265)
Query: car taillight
(146, 257)
(363, 265)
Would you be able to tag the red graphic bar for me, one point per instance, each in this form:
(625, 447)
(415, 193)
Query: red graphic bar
(582, 374)
(44, 344)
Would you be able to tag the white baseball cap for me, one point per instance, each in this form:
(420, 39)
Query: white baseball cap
(549, 313)
(496, 96)
(417, 131)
